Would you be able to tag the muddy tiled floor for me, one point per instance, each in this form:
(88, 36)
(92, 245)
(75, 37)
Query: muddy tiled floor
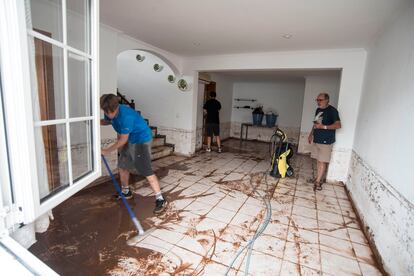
(217, 205)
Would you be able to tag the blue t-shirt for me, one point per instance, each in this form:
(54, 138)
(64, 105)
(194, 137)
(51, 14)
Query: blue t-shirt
(128, 121)
(326, 116)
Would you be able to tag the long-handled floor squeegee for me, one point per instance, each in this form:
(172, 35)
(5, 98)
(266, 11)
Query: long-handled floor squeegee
(134, 219)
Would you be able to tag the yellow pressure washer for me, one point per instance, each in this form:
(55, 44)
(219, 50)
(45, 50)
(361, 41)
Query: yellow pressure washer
(281, 152)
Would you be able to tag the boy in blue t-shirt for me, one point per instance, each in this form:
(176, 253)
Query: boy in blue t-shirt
(133, 144)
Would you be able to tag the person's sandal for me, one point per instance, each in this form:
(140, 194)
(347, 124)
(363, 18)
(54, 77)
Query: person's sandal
(313, 180)
(317, 186)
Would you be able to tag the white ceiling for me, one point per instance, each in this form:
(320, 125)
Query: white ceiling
(276, 75)
(207, 27)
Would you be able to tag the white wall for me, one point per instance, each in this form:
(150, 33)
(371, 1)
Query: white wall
(285, 97)
(112, 43)
(161, 102)
(315, 85)
(158, 100)
(107, 70)
(387, 107)
(381, 179)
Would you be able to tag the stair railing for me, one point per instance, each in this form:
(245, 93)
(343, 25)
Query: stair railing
(124, 100)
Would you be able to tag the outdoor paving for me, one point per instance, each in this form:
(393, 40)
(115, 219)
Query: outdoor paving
(216, 206)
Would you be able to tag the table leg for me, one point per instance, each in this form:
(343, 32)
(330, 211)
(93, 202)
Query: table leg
(241, 133)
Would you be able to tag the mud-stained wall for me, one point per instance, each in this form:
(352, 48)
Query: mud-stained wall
(339, 165)
(183, 140)
(381, 178)
(387, 216)
(225, 129)
(199, 138)
(384, 132)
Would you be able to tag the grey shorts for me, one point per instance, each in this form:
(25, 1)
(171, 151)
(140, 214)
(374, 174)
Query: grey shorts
(136, 158)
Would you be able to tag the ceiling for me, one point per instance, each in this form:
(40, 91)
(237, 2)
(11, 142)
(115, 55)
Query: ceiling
(276, 75)
(199, 27)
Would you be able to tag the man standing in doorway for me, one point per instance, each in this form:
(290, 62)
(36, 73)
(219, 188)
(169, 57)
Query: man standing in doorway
(212, 108)
(325, 123)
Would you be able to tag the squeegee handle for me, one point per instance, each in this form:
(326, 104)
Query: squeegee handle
(118, 189)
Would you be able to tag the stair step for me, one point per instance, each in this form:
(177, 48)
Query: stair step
(161, 151)
(158, 140)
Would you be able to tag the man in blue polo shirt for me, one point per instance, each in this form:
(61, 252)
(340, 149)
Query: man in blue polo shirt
(134, 145)
(326, 122)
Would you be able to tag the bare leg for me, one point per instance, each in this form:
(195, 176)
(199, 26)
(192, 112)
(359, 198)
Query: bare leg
(124, 174)
(155, 184)
(321, 166)
(209, 142)
(218, 141)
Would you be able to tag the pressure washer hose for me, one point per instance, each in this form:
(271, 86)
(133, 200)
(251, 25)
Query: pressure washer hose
(263, 227)
(118, 189)
(250, 243)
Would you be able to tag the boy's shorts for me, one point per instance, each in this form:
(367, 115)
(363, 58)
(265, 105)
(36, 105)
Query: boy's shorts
(321, 152)
(136, 158)
(212, 129)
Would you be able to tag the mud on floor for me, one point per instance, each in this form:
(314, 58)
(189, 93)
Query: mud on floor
(215, 208)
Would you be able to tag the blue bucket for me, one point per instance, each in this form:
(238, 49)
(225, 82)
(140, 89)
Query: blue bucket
(257, 119)
(271, 120)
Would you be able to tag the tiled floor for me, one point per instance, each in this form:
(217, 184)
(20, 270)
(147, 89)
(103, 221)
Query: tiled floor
(216, 207)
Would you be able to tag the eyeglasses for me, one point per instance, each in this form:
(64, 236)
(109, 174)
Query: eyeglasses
(320, 100)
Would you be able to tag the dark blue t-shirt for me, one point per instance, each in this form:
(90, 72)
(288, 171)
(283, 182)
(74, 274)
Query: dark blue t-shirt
(326, 116)
(128, 121)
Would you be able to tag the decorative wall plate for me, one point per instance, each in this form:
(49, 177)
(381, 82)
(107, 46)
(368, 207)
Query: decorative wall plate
(157, 67)
(182, 85)
(140, 58)
(171, 78)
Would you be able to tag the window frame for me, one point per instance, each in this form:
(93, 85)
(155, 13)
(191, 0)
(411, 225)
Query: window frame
(20, 123)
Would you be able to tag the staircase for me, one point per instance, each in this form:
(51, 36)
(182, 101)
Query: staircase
(159, 148)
